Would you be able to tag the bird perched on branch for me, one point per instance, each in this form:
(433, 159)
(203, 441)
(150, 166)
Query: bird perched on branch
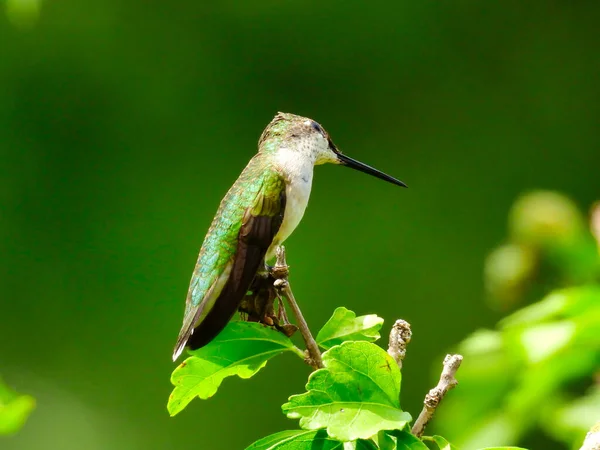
(261, 209)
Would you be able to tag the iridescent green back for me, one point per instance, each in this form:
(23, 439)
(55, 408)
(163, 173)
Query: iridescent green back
(220, 244)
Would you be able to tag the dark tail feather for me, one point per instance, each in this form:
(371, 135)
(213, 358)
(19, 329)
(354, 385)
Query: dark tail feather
(214, 322)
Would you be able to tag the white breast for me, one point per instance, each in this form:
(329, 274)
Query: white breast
(298, 173)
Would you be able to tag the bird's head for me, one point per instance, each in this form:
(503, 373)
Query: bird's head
(310, 140)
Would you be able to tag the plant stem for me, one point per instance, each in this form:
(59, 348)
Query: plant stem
(298, 352)
(435, 395)
(399, 338)
(281, 272)
(311, 345)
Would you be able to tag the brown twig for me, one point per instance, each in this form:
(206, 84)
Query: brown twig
(399, 339)
(435, 395)
(281, 272)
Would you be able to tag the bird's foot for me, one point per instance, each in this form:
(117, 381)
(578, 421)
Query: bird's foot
(288, 329)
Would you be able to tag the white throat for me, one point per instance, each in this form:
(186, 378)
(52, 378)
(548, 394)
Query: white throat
(297, 170)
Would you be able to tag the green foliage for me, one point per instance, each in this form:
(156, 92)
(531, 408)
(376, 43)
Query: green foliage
(14, 410)
(122, 124)
(532, 370)
(565, 414)
(306, 440)
(242, 349)
(351, 403)
(345, 326)
(354, 396)
(441, 442)
(400, 440)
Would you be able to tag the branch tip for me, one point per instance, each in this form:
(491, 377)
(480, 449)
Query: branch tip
(437, 394)
(400, 336)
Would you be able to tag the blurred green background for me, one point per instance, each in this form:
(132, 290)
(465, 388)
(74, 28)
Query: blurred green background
(123, 123)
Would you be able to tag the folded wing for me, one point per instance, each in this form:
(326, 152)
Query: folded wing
(234, 249)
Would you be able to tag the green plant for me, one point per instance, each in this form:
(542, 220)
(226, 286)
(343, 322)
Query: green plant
(352, 402)
(14, 409)
(539, 369)
(513, 377)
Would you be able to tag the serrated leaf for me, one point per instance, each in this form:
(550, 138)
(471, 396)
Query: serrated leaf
(345, 326)
(405, 441)
(14, 410)
(307, 440)
(242, 349)
(354, 396)
(441, 442)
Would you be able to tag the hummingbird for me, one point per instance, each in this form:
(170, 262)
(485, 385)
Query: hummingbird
(258, 213)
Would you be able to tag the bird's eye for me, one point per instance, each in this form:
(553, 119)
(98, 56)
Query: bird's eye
(317, 127)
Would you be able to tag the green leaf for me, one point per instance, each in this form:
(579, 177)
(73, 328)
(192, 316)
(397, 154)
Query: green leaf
(403, 440)
(354, 396)
(242, 349)
(545, 340)
(296, 440)
(14, 410)
(364, 445)
(345, 326)
(441, 442)
(559, 304)
(503, 448)
(307, 440)
(385, 441)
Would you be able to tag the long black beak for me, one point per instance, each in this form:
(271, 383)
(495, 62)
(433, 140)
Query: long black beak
(347, 161)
